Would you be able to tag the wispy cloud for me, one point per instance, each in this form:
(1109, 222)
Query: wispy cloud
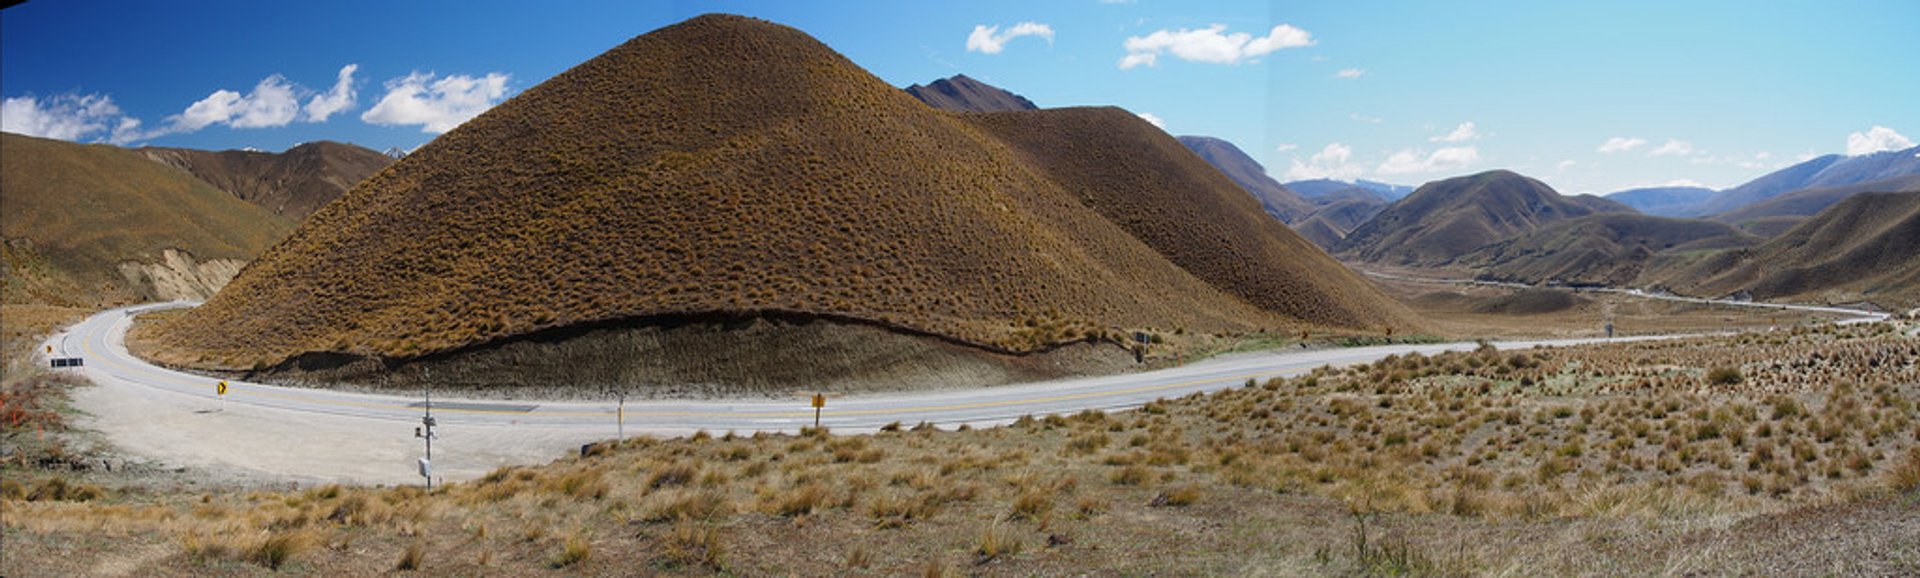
(1357, 117)
(1877, 139)
(1212, 44)
(1415, 161)
(990, 40)
(1285, 146)
(340, 98)
(1350, 73)
(436, 104)
(1620, 144)
(1672, 148)
(1463, 133)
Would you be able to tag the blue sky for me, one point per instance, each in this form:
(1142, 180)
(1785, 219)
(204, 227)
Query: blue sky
(1590, 97)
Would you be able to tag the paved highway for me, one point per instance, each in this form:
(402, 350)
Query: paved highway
(307, 435)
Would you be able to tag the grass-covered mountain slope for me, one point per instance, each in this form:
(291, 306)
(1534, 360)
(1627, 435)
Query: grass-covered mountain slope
(98, 225)
(727, 166)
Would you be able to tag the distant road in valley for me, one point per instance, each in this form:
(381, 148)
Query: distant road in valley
(315, 436)
(1857, 315)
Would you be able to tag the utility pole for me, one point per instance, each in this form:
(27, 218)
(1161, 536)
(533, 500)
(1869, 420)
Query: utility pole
(426, 432)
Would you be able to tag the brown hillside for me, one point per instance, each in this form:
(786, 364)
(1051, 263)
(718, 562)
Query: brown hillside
(96, 225)
(1864, 248)
(1444, 220)
(1339, 213)
(1148, 183)
(1283, 204)
(1606, 249)
(730, 166)
(964, 94)
(292, 184)
(1319, 230)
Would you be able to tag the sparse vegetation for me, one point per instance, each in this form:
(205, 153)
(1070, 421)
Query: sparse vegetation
(1599, 441)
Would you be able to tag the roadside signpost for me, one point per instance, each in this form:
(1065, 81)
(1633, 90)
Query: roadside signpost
(220, 390)
(425, 432)
(819, 401)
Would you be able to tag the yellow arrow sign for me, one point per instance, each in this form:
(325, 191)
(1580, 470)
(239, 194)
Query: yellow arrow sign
(819, 400)
(220, 388)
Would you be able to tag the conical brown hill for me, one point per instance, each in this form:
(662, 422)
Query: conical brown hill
(728, 166)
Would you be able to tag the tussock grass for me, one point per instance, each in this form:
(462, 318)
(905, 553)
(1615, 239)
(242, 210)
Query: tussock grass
(279, 548)
(572, 552)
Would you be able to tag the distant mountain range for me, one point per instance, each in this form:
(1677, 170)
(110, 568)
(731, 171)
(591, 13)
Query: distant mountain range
(1665, 201)
(1320, 187)
(1822, 172)
(1283, 204)
(1503, 226)
(1775, 215)
(1860, 243)
(293, 184)
(962, 93)
(1444, 220)
(1833, 173)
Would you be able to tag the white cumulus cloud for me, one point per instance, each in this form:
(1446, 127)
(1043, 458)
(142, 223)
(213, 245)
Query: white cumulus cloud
(340, 98)
(1620, 144)
(1350, 73)
(68, 117)
(271, 103)
(1333, 162)
(990, 40)
(1415, 161)
(437, 104)
(1212, 44)
(1673, 148)
(1876, 139)
(1463, 133)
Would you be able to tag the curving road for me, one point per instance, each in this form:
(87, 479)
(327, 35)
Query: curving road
(284, 434)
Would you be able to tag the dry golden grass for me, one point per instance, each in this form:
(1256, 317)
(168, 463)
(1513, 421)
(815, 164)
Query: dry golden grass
(728, 166)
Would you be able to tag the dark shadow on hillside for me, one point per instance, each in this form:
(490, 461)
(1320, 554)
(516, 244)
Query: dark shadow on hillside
(686, 356)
